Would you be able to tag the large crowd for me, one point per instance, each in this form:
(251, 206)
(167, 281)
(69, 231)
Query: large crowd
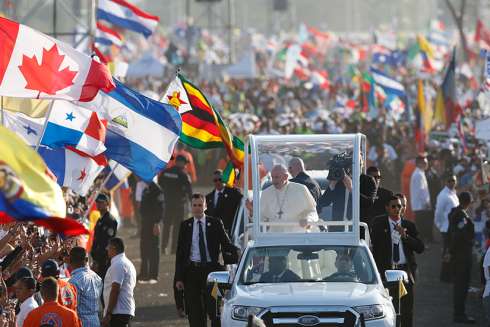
(39, 269)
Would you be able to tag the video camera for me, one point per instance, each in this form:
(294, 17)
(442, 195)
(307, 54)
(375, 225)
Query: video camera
(339, 166)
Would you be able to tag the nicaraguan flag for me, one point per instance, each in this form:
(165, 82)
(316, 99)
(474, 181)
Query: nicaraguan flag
(107, 36)
(28, 128)
(141, 132)
(69, 124)
(126, 15)
(389, 84)
(72, 169)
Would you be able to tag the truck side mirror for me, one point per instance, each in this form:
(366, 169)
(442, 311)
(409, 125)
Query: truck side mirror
(396, 276)
(222, 278)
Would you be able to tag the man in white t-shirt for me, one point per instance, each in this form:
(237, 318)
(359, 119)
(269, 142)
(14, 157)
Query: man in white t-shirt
(119, 284)
(24, 291)
(486, 292)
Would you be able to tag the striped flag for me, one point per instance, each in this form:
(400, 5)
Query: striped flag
(107, 36)
(202, 125)
(126, 15)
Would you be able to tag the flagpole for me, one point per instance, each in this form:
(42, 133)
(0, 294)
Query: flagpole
(92, 201)
(1, 109)
(45, 125)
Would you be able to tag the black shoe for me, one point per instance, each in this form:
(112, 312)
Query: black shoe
(465, 320)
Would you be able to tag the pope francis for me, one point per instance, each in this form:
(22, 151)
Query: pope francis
(287, 202)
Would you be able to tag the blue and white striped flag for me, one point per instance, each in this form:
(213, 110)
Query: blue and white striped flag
(389, 84)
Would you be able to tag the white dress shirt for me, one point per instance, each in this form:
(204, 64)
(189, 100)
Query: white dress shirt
(121, 271)
(419, 191)
(403, 259)
(446, 200)
(25, 307)
(195, 253)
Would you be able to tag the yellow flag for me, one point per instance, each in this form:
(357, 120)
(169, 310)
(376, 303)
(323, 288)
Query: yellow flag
(31, 107)
(425, 108)
(425, 46)
(215, 291)
(402, 291)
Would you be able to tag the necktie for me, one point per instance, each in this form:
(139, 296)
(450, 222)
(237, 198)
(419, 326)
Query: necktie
(202, 245)
(396, 249)
(218, 197)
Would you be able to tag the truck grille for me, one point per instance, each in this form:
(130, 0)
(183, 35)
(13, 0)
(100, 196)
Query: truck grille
(317, 316)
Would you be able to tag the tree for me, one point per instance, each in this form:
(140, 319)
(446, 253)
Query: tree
(458, 19)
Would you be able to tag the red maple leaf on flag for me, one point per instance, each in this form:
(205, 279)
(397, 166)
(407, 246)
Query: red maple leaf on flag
(46, 77)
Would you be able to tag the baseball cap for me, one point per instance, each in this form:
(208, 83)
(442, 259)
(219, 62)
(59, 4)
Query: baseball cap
(102, 197)
(50, 268)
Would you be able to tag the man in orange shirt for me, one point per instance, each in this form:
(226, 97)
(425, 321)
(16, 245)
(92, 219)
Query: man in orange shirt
(51, 313)
(67, 293)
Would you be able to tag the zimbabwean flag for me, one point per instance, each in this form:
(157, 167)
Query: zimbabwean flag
(202, 125)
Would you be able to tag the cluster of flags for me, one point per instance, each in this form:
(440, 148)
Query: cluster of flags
(75, 120)
(91, 122)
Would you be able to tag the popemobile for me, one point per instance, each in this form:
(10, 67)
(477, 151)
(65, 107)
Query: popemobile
(300, 268)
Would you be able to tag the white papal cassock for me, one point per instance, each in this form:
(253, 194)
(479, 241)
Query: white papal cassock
(291, 203)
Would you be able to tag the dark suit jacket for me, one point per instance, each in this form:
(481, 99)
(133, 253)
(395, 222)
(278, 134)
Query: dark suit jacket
(217, 242)
(288, 276)
(383, 249)
(336, 197)
(311, 184)
(382, 197)
(226, 206)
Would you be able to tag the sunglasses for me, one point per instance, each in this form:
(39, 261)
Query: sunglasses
(396, 206)
(217, 180)
(377, 177)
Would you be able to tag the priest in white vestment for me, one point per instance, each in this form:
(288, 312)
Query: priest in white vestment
(286, 201)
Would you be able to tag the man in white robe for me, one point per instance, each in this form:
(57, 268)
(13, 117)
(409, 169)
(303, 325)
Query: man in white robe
(288, 202)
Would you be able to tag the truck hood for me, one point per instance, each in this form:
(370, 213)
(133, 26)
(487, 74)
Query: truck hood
(320, 293)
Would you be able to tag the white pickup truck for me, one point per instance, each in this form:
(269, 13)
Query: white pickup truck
(309, 278)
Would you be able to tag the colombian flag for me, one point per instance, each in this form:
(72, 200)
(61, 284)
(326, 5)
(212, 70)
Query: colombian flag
(202, 125)
(28, 191)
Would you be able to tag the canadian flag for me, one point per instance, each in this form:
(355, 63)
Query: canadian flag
(34, 65)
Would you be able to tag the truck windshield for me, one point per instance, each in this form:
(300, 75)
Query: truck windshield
(310, 263)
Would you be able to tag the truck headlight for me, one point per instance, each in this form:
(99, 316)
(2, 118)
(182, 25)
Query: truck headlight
(371, 312)
(241, 312)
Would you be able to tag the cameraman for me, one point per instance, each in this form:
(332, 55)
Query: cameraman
(339, 191)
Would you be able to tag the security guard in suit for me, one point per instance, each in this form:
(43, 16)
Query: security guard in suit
(177, 189)
(461, 239)
(202, 239)
(105, 229)
(223, 201)
(395, 241)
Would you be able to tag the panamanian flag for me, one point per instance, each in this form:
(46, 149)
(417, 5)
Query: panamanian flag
(72, 168)
(69, 124)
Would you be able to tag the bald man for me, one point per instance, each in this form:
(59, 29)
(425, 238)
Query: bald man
(286, 201)
(297, 170)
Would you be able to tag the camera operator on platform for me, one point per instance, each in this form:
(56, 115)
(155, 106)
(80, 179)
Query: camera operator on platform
(339, 190)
